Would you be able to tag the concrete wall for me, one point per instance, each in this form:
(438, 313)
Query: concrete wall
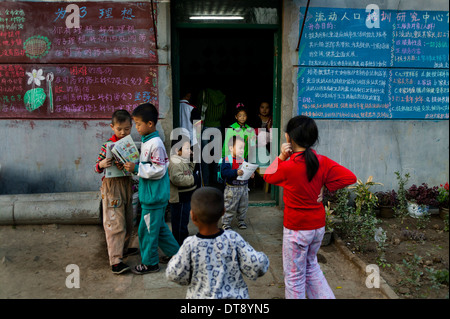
(50, 156)
(372, 147)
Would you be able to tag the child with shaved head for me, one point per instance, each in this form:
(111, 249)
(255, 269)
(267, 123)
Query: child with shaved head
(213, 261)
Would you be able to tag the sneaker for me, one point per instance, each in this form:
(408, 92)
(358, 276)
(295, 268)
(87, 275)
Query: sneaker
(120, 268)
(242, 225)
(226, 227)
(130, 252)
(144, 269)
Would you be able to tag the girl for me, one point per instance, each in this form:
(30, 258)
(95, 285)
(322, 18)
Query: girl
(302, 173)
(240, 128)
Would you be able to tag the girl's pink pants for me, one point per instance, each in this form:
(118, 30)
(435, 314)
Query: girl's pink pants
(302, 274)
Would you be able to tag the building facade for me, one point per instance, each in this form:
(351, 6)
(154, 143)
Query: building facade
(374, 75)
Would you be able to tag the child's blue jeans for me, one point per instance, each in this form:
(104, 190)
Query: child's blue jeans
(153, 233)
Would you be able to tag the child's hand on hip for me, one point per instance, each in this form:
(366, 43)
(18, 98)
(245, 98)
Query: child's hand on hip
(320, 197)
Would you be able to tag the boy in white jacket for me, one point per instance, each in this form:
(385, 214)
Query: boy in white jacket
(154, 191)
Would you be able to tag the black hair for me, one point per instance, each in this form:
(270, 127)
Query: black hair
(232, 141)
(147, 112)
(207, 204)
(270, 106)
(241, 108)
(302, 130)
(120, 116)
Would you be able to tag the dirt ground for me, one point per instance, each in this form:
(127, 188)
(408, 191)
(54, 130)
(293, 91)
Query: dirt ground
(34, 260)
(417, 258)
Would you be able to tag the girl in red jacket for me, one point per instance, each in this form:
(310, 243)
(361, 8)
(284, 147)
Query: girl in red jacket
(302, 173)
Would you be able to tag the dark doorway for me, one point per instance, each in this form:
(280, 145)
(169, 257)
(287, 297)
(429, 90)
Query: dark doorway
(239, 63)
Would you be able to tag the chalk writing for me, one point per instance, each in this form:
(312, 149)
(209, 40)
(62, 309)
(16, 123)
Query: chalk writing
(101, 57)
(61, 13)
(348, 70)
(339, 37)
(76, 91)
(98, 32)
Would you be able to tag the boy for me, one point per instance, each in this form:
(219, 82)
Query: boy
(154, 191)
(236, 191)
(213, 261)
(117, 199)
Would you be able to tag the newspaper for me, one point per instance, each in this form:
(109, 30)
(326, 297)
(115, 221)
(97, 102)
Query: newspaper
(248, 169)
(125, 150)
(113, 171)
(122, 151)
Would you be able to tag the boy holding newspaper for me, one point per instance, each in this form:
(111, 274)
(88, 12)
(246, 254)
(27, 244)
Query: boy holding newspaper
(117, 194)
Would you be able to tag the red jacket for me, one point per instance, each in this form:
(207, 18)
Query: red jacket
(302, 211)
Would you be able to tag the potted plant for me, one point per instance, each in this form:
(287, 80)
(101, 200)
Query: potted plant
(442, 198)
(329, 225)
(365, 200)
(386, 203)
(420, 198)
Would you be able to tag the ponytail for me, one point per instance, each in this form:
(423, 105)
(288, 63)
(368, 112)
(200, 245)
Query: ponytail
(303, 131)
(312, 163)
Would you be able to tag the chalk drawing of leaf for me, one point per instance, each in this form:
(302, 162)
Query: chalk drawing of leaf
(34, 99)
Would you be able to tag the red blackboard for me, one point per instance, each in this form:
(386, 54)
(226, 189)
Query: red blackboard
(81, 60)
(74, 91)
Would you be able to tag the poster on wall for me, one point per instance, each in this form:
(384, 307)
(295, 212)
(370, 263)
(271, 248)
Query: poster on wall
(388, 64)
(76, 60)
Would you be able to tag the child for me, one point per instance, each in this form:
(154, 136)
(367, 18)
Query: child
(264, 119)
(213, 261)
(240, 129)
(302, 173)
(117, 199)
(154, 191)
(183, 182)
(236, 191)
(263, 124)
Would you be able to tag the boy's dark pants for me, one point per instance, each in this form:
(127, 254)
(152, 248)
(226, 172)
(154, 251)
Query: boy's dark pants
(180, 215)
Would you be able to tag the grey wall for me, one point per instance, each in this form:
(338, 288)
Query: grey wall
(375, 148)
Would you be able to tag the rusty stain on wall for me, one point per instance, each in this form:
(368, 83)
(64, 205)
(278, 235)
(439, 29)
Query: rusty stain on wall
(77, 162)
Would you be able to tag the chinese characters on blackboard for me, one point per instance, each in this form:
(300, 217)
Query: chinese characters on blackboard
(399, 70)
(106, 62)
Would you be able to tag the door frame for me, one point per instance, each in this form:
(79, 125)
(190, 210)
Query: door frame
(276, 101)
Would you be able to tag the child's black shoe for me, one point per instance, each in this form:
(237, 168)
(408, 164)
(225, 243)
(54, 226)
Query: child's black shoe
(144, 269)
(120, 268)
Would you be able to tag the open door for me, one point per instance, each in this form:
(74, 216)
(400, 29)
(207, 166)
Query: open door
(242, 61)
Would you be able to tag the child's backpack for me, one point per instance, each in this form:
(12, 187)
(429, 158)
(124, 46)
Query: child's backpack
(219, 168)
